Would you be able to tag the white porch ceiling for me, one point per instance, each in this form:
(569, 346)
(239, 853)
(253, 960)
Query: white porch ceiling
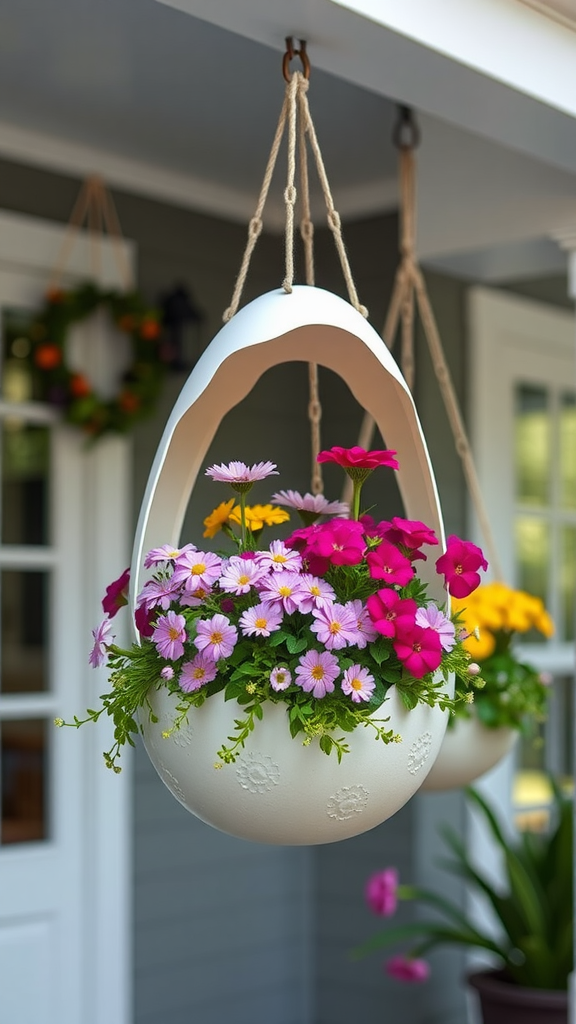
(183, 107)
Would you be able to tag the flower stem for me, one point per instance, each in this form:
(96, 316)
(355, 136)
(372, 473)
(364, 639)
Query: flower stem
(356, 499)
(243, 520)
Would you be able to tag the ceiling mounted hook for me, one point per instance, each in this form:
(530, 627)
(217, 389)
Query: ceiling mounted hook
(291, 52)
(406, 133)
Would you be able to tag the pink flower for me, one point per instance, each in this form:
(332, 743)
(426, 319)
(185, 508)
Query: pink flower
(459, 565)
(261, 620)
(366, 632)
(316, 593)
(278, 557)
(359, 458)
(317, 671)
(102, 637)
(410, 533)
(169, 636)
(240, 473)
(144, 617)
(116, 595)
(431, 617)
(216, 637)
(197, 569)
(341, 541)
(167, 673)
(284, 588)
(358, 684)
(315, 504)
(197, 672)
(239, 575)
(159, 593)
(407, 969)
(391, 613)
(335, 626)
(381, 892)
(419, 650)
(167, 553)
(280, 678)
(387, 563)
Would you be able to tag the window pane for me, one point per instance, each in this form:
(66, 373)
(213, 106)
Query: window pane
(24, 772)
(24, 639)
(568, 582)
(17, 384)
(532, 446)
(568, 451)
(532, 537)
(25, 483)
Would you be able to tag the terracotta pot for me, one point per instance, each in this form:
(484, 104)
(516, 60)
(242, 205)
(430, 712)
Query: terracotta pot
(468, 750)
(503, 1002)
(279, 791)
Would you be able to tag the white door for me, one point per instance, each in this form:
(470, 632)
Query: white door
(65, 824)
(523, 391)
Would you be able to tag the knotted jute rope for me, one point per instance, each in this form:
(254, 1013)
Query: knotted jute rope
(296, 118)
(95, 206)
(410, 291)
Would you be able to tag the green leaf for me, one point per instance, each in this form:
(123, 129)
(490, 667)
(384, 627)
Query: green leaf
(326, 743)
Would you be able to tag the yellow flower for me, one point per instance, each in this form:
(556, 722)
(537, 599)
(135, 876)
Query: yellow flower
(258, 516)
(543, 623)
(481, 648)
(216, 520)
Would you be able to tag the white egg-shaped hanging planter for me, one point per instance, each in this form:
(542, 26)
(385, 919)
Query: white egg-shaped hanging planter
(469, 750)
(278, 790)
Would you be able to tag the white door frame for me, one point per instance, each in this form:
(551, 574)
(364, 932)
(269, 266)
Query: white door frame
(93, 490)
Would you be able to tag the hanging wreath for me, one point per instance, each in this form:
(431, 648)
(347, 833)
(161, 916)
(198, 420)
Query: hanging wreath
(56, 383)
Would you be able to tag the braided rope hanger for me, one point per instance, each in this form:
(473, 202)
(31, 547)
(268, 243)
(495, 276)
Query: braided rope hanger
(409, 291)
(295, 116)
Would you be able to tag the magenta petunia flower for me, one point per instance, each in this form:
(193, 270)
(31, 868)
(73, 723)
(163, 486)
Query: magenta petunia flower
(419, 650)
(216, 636)
(239, 575)
(280, 678)
(366, 632)
(169, 636)
(335, 626)
(102, 637)
(387, 563)
(240, 473)
(341, 541)
(316, 593)
(315, 504)
(431, 617)
(278, 557)
(197, 569)
(358, 458)
(202, 669)
(261, 619)
(358, 683)
(283, 588)
(406, 968)
(116, 595)
(167, 553)
(144, 617)
(410, 533)
(459, 565)
(317, 671)
(391, 613)
(381, 892)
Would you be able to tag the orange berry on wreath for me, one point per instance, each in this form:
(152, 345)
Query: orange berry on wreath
(48, 356)
(80, 385)
(128, 402)
(149, 329)
(54, 295)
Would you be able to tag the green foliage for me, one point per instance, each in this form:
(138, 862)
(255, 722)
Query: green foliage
(533, 909)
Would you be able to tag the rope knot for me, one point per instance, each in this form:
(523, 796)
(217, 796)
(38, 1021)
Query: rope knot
(290, 195)
(307, 230)
(334, 220)
(255, 227)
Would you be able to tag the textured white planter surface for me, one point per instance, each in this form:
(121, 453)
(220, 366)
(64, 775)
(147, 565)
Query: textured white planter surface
(304, 796)
(278, 791)
(468, 751)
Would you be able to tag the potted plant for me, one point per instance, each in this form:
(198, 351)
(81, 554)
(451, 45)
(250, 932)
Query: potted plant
(261, 661)
(532, 942)
(510, 695)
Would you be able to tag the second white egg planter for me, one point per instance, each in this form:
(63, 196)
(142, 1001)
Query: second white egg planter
(279, 791)
(469, 750)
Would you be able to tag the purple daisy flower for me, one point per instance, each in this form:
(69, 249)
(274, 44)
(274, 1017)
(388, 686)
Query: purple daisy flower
(240, 473)
(261, 620)
(279, 557)
(335, 626)
(197, 569)
(280, 678)
(284, 588)
(317, 593)
(431, 617)
(102, 637)
(159, 593)
(358, 683)
(366, 631)
(317, 671)
(167, 553)
(216, 637)
(197, 672)
(317, 504)
(240, 574)
(169, 636)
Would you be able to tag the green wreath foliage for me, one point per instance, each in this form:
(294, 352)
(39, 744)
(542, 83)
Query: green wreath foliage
(55, 383)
